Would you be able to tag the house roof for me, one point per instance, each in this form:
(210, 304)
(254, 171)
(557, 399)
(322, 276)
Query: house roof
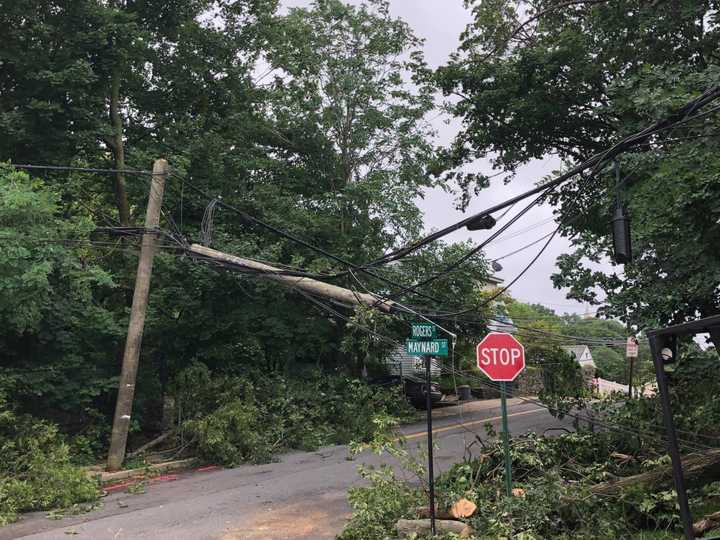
(577, 350)
(493, 280)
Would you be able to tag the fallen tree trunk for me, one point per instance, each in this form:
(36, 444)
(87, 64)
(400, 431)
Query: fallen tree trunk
(461, 509)
(424, 512)
(154, 442)
(699, 469)
(406, 527)
(708, 523)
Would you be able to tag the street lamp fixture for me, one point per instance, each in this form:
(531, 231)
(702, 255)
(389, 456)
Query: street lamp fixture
(484, 221)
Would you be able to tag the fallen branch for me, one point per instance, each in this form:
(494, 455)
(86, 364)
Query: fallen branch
(699, 469)
(157, 440)
(708, 523)
(424, 512)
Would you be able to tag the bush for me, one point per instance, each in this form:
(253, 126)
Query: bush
(35, 470)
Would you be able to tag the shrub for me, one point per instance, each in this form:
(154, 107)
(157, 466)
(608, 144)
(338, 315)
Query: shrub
(36, 472)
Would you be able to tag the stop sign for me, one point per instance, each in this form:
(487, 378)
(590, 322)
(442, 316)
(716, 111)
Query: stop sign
(500, 356)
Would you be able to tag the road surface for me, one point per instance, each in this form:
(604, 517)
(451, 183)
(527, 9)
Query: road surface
(303, 496)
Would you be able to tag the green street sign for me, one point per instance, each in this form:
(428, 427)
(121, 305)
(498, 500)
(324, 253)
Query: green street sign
(423, 330)
(433, 347)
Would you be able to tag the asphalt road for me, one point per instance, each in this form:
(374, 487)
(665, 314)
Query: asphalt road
(303, 496)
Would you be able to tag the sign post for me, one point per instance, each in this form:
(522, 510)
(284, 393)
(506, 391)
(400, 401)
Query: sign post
(424, 343)
(502, 358)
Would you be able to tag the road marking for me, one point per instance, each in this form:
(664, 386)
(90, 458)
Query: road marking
(466, 424)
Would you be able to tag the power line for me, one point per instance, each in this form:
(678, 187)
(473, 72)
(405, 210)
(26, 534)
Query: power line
(595, 162)
(523, 248)
(32, 167)
(683, 115)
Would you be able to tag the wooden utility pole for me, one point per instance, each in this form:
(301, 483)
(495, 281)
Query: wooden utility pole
(312, 286)
(131, 356)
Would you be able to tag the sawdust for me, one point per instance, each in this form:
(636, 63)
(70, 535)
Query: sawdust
(317, 519)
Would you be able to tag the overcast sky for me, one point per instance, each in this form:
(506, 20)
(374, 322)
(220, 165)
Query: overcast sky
(439, 23)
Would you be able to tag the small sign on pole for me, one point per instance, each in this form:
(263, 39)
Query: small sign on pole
(631, 347)
(502, 358)
(422, 330)
(432, 347)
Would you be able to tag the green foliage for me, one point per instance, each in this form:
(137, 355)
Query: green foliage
(564, 384)
(553, 476)
(695, 412)
(574, 81)
(377, 508)
(36, 472)
(55, 325)
(331, 144)
(233, 419)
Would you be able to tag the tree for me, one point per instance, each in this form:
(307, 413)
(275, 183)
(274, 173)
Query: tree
(568, 81)
(344, 102)
(611, 364)
(331, 145)
(56, 323)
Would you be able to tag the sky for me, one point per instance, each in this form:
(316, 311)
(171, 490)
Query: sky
(439, 23)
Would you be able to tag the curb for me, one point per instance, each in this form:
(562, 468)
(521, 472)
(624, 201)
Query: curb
(106, 477)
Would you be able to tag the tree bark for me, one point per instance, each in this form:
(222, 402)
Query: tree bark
(699, 469)
(118, 148)
(406, 527)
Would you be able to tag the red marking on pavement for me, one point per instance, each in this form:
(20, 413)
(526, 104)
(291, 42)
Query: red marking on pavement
(116, 487)
(208, 468)
(165, 478)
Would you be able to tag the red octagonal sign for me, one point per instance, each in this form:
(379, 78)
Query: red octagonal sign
(500, 356)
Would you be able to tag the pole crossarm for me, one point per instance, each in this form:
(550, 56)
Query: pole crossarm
(309, 285)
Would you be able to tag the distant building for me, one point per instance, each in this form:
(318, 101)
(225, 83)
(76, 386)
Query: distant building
(582, 355)
(491, 283)
(502, 323)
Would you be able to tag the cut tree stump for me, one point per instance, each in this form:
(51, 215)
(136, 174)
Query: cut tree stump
(699, 469)
(463, 509)
(406, 527)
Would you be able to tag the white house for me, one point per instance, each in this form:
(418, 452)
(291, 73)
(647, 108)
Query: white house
(582, 354)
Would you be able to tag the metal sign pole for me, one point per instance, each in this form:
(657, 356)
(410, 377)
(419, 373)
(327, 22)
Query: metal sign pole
(506, 439)
(431, 474)
(656, 346)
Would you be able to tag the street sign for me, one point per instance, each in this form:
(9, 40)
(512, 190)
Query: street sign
(631, 347)
(422, 330)
(433, 347)
(500, 356)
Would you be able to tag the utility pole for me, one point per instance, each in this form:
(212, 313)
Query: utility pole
(310, 285)
(131, 356)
